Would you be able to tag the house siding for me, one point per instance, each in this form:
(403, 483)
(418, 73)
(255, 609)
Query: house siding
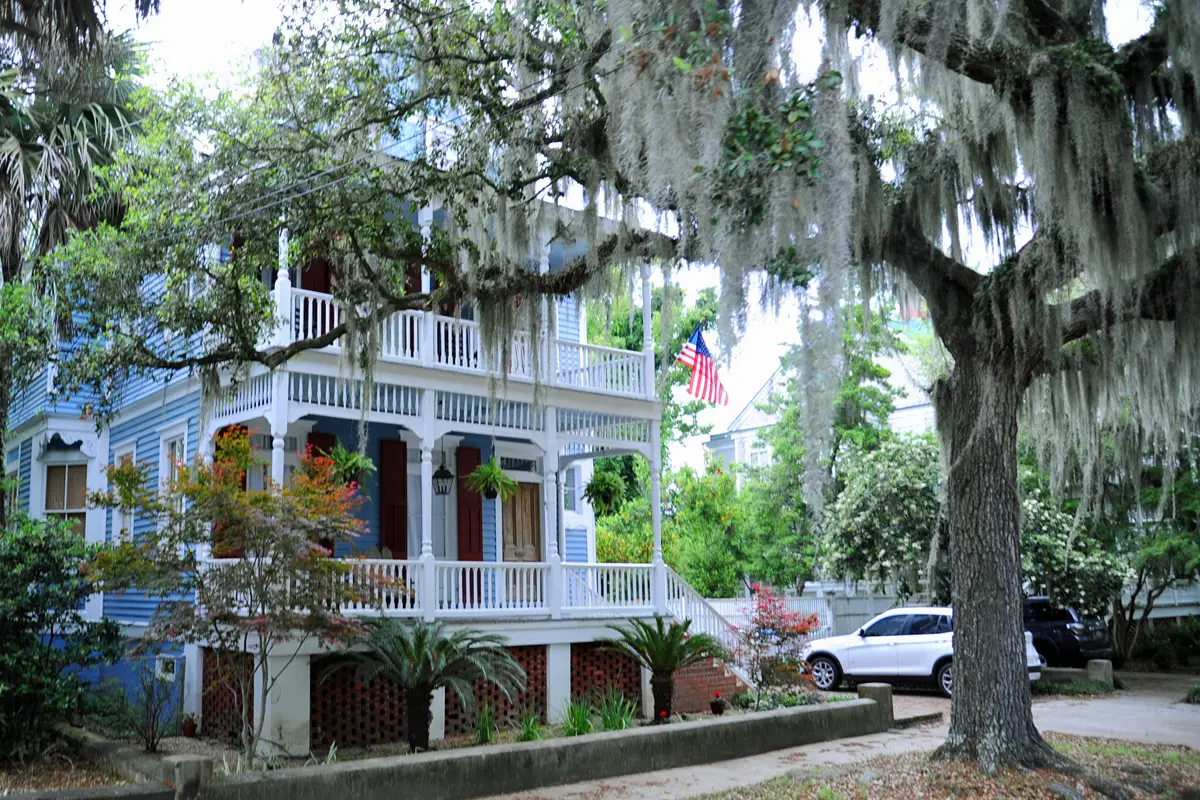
(136, 606)
(29, 401)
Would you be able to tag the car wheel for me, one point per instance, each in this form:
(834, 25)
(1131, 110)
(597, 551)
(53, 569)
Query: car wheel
(945, 679)
(826, 673)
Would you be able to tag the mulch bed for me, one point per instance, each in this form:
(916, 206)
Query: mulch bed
(57, 768)
(1146, 771)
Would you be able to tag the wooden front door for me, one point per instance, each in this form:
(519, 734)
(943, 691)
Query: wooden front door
(470, 507)
(523, 524)
(393, 497)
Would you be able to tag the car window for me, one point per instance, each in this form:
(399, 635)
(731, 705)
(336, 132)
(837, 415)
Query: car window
(923, 624)
(945, 624)
(1044, 612)
(888, 626)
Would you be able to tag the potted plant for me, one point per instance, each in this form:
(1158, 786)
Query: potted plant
(718, 704)
(187, 725)
(605, 491)
(349, 465)
(489, 480)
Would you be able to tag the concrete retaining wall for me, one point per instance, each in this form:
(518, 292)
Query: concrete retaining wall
(499, 769)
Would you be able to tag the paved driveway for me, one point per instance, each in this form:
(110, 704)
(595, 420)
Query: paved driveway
(1149, 711)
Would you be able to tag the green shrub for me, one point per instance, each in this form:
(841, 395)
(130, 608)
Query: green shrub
(1074, 688)
(1165, 657)
(485, 724)
(1184, 638)
(39, 663)
(531, 727)
(616, 712)
(1193, 695)
(579, 719)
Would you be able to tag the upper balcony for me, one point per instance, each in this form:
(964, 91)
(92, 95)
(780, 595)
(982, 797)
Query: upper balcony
(440, 342)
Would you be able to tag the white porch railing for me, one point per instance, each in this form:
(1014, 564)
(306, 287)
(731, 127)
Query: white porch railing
(453, 343)
(684, 602)
(601, 369)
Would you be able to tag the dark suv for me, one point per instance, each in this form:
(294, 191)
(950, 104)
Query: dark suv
(1063, 636)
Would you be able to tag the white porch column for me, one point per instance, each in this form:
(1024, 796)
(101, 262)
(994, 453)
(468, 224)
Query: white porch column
(286, 720)
(658, 589)
(550, 517)
(648, 333)
(558, 682)
(279, 422)
(647, 695)
(193, 679)
(283, 295)
(428, 591)
(561, 533)
(437, 715)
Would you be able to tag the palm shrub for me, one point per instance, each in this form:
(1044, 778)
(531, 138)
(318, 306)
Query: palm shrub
(422, 657)
(663, 648)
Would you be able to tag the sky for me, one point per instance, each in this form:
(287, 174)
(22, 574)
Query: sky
(219, 37)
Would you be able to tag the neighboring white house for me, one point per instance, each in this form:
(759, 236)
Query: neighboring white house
(740, 443)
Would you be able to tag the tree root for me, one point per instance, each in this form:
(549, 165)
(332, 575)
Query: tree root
(1036, 754)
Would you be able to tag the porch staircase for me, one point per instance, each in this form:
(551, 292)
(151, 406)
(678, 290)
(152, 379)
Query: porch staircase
(685, 603)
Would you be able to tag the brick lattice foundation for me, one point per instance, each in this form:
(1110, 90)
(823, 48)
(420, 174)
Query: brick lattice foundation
(594, 669)
(508, 713)
(350, 713)
(221, 702)
(695, 686)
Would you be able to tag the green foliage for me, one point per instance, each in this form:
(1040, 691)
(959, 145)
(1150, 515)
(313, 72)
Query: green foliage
(531, 727)
(1058, 558)
(1073, 689)
(578, 720)
(707, 524)
(46, 578)
(663, 648)
(616, 711)
(415, 655)
(778, 542)
(485, 724)
(770, 699)
(350, 465)
(881, 524)
(605, 491)
(489, 480)
(1193, 695)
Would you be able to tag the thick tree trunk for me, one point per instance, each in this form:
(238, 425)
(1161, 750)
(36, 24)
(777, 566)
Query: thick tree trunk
(419, 701)
(991, 716)
(662, 687)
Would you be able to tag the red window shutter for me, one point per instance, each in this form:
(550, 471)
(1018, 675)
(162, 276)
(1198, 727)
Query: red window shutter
(393, 497)
(470, 507)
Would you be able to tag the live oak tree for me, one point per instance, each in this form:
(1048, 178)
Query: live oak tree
(688, 126)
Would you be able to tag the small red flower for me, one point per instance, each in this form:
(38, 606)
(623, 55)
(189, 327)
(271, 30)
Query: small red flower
(718, 695)
(663, 714)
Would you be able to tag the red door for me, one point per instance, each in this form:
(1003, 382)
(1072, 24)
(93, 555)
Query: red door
(314, 277)
(393, 497)
(470, 507)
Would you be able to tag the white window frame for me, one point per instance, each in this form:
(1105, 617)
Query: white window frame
(65, 458)
(572, 477)
(123, 520)
(167, 434)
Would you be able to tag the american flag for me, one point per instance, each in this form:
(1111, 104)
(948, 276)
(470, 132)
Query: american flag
(705, 382)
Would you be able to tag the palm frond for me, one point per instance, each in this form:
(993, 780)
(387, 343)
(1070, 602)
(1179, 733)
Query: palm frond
(663, 648)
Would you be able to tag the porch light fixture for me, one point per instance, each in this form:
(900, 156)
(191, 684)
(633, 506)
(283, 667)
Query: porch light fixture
(443, 479)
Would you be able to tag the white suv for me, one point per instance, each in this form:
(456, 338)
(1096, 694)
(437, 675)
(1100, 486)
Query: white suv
(904, 645)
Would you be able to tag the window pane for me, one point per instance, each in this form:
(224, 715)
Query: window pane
(923, 624)
(888, 626)
(77, 486)
(945, 624)
(569, 489)
(56, 487)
